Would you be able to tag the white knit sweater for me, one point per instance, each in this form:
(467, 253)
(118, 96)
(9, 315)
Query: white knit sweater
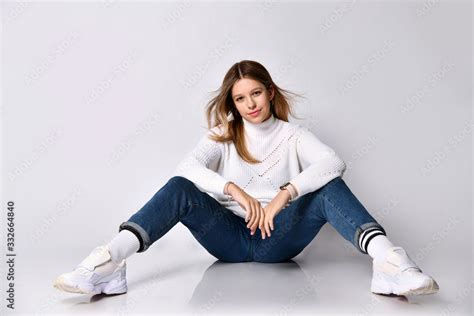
(287, 151)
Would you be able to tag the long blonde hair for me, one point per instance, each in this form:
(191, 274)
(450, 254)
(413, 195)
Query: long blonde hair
(221, 106)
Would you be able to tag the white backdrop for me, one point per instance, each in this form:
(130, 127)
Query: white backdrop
(100, 100)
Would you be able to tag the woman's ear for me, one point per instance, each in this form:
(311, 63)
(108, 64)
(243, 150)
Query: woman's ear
(272, 92)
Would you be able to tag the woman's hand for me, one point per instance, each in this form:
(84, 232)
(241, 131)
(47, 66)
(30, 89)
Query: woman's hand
(255, 213)
(272, 209)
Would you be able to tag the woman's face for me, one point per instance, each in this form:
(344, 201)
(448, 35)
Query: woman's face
(249, 96)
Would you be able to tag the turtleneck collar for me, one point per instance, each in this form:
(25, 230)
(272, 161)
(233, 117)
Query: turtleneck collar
(260, 129)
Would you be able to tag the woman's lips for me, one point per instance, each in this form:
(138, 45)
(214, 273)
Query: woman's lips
(255, 113)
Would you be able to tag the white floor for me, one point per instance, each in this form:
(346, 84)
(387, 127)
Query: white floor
(329, 277)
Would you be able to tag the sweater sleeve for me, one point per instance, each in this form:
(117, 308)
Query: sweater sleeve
(195, 165)
(319, 163)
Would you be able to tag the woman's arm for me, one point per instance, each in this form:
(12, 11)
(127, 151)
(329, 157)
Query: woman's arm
(195, 165)
(320, 164)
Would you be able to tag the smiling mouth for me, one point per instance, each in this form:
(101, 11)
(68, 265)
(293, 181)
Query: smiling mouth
(254, 112)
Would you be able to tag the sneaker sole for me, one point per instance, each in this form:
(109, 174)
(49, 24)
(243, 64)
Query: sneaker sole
(111, 287)
(383, 284)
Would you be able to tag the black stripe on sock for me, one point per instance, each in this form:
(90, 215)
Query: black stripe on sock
(363, 235)
(366, 243)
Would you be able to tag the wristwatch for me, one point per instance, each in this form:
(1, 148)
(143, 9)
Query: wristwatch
(290, 189)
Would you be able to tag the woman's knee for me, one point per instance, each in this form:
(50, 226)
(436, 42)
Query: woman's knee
(180, 182)
(337, 182)
(182, 190)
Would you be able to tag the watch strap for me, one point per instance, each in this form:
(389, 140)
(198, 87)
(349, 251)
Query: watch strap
(289, 186)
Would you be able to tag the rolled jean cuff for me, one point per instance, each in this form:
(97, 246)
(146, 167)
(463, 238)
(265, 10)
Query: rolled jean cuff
(141, 234)
(363, 228)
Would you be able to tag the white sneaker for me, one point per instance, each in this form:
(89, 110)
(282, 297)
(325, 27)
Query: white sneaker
(399, 275)
(94, 275)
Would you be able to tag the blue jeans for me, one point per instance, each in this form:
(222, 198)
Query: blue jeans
(226, 236)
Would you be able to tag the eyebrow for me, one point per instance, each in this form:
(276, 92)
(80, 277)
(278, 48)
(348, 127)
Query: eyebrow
(250, 91)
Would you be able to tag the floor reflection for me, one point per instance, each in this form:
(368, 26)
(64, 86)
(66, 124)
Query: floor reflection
(274, 287)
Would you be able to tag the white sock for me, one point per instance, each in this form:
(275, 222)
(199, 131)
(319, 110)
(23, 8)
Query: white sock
(378, 246)
(123, 245)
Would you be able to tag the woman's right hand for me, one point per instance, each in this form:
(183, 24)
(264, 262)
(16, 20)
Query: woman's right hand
(255, 213)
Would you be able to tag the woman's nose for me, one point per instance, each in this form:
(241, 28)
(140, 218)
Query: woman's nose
(252, 105)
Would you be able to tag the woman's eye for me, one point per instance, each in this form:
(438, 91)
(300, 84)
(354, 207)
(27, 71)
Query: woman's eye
(256, 92)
